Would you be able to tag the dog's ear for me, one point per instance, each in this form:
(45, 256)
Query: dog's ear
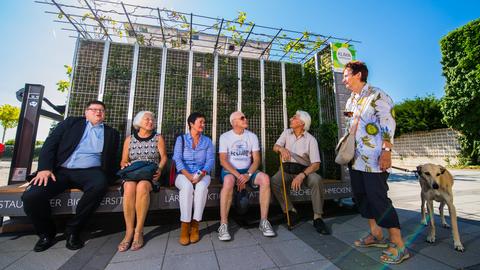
(419, 168)
(442, 169)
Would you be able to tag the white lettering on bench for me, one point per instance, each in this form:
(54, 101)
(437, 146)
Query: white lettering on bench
(55, 203)
(11, 204)
(213, 196)
(72, 202)
(338, 190)
(172, 198)
(301, 192)
(111, 201)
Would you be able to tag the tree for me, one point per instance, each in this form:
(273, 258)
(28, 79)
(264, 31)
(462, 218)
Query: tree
(418, 114)
(461, 103)
(8, 117)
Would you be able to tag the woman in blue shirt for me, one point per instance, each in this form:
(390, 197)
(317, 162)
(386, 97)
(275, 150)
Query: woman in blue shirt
(194, 159)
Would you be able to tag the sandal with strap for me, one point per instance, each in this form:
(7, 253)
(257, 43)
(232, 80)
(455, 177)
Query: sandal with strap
(137, 244)
(390, 258)
(124, 246)
(371, 241)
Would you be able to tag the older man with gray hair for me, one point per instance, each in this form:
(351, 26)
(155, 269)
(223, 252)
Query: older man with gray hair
(301, 160)
(239, 152)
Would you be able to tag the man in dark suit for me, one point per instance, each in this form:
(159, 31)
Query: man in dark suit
(80, 153)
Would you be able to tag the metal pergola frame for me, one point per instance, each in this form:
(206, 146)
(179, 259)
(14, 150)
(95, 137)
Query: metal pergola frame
(115, 21)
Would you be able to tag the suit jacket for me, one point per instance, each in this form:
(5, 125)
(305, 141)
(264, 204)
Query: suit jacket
(63, 140)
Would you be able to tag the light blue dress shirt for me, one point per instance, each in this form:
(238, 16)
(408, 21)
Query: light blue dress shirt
(192, 160)
(88, 152)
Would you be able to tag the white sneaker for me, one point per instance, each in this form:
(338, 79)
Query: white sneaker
(223, 234)
(266, 228)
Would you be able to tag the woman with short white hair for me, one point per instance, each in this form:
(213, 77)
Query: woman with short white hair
(147, 146)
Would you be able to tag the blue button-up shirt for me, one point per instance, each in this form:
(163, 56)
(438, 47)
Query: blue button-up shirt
(200, 158)
(88, 152)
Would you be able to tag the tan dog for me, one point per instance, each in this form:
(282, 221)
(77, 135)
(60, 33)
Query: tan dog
(436, 183)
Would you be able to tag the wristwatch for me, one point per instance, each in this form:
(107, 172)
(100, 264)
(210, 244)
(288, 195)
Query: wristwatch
(249, 174)
(388, 149)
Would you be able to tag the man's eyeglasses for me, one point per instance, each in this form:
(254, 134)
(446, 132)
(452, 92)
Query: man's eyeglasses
(96, 110)
(242, 118)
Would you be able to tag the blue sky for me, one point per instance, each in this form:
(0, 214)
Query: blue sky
(400, 39)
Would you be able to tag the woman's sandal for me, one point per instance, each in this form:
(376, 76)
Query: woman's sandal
(124, 246)
(390, 258)
(371, 241)
(137, 244)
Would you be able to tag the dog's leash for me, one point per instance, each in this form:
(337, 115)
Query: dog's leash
(405, 170)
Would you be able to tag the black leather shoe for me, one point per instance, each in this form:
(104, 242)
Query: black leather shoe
(320, 226)
(73, 241)
(44, 243)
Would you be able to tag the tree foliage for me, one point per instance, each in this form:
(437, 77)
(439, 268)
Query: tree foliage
(418, 114)
(461, 103)
(8, 117)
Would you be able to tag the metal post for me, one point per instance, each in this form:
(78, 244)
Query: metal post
(103, 72)
(74, 66)
(26, 133)
(214, 112)
(262, 110)
(319, 96)
(133, 83)
(161, 96)
(239, 69)
(284, 96)
(189, 87)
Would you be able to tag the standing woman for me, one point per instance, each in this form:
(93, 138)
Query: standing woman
(194, 158)
(144, 145)
(371, 118)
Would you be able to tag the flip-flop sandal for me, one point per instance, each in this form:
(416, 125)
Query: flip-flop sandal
(124, 246)
(390, 258)
(137, 244)
(374, 242)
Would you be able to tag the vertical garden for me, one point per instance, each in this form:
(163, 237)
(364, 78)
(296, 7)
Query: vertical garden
(302, 90)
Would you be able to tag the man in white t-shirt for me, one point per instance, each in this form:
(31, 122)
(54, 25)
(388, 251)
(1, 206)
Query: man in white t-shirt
(240, 157)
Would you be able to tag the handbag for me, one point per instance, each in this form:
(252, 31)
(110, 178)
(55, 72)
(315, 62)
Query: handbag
(140, 170)
(346, 145)
(293, 167)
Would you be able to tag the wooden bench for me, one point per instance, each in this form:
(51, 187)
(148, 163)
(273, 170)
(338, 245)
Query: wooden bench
(11, 203)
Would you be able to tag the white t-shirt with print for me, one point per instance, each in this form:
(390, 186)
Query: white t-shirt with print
(239, 148)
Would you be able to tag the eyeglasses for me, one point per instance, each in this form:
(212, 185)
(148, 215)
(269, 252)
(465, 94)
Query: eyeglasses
(96, 110)
(242, 118)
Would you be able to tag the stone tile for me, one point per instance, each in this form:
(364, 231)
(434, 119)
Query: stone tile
(235, 259)
(204, 260)
(174, 248)
(291, 252)
(8, 258)
(316, 265)
(137, 265)
(21, 242)
(240, 238)
(153, 249)
(49, 259)
(416, 261)
(445, 252)
(283, 234)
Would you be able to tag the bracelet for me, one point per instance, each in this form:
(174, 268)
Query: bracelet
(305, 174)
(388, 149)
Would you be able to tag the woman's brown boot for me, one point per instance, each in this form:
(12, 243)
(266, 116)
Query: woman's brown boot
(194, 234)
(184, 234)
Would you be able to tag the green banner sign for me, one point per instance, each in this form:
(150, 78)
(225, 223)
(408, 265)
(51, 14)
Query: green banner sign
(342, 53)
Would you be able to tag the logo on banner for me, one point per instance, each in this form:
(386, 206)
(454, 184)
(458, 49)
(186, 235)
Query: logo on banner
(342, 53)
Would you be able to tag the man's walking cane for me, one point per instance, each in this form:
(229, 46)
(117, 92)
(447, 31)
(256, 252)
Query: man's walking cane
(289, 226)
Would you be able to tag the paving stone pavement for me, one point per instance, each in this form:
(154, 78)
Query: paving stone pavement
(301, 248)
